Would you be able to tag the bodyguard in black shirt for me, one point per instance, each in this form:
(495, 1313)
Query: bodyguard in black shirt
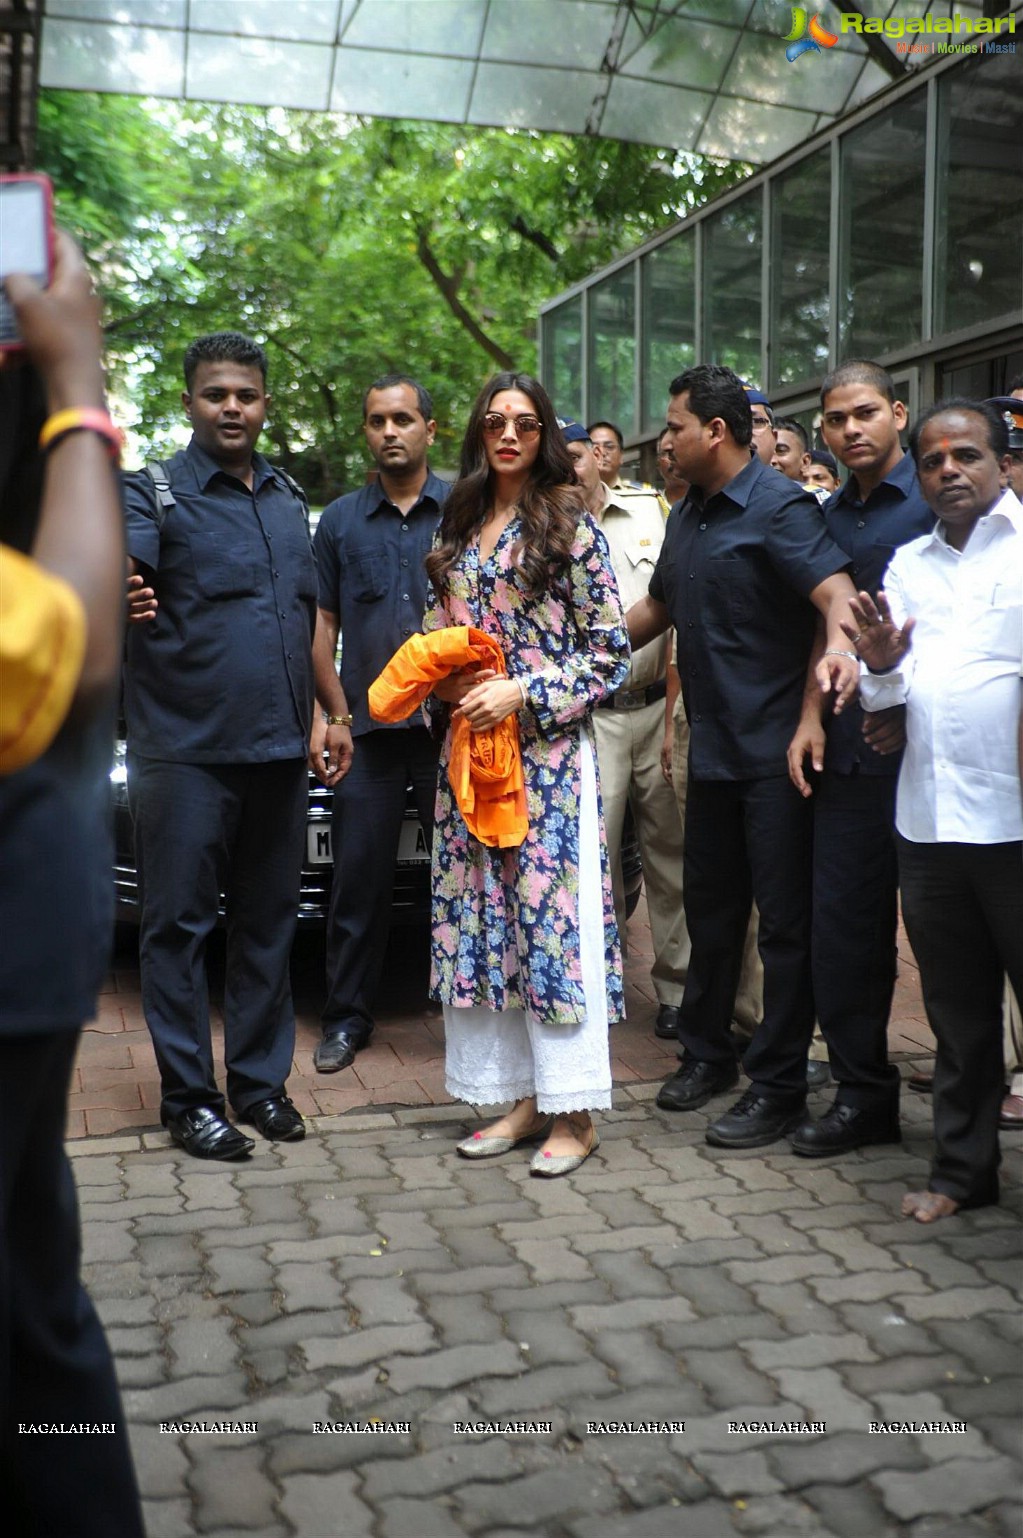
(745, 562)
(370, 549)
(218, 700)
(855, 880)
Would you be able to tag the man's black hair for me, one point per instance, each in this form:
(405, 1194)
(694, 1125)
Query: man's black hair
(997, 427)
(1015, 384)
(715, 391)
(611, 429)
(859, 371)
(424, 400)
(790, 425)
(822, 457)
(223, 347)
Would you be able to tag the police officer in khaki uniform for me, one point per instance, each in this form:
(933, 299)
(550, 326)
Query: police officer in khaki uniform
(629, 726)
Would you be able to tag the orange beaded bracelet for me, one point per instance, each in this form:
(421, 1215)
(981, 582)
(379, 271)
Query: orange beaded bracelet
(77, 419)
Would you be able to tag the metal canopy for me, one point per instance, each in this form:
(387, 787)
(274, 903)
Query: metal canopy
(710, 76)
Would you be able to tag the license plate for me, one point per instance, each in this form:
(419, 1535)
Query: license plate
(412, 845)
(318, 843)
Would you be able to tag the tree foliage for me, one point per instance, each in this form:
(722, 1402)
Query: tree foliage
(350, 248)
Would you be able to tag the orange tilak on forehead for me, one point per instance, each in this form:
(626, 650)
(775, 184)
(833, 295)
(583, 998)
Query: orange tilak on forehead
(945, 445)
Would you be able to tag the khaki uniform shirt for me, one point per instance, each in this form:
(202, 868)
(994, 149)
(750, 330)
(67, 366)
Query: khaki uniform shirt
(633, 525)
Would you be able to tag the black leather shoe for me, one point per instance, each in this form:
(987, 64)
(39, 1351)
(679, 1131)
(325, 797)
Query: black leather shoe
(695, 1083)
(276, 1119)
(666, 1024)
(817, 1074)
(845, 1126)
(205, 1135)
(337, 1050)
(754, 1121)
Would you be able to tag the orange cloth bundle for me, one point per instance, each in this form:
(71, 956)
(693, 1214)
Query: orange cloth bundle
(485, 770)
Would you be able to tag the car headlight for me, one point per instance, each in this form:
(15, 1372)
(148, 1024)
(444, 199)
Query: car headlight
(119, 768)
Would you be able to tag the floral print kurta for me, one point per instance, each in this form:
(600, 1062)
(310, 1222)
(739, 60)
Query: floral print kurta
(506, 922)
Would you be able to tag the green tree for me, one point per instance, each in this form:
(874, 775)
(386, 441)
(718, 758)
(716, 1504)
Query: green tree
(350, 248)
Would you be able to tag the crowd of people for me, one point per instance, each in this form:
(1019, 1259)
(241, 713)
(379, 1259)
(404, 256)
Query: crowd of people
(807, 691)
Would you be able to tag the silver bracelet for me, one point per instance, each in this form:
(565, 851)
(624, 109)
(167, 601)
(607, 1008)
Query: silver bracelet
(522, 691)
(834, 651)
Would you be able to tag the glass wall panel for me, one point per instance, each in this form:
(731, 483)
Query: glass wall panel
(733, 243)
(882, 231)
(563, 358)
(669, 310)
(800, 230)
(979, 237)
(613, 350)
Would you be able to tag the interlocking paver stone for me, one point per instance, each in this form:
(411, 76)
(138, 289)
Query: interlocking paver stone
(958, 1485)
(461, 1462)
(355, 1348)
(321, 1506)
(368, 1272)
(560, 1493)
(847, 1456)
(229, 1486)
(737, 1474)
(407, 1518)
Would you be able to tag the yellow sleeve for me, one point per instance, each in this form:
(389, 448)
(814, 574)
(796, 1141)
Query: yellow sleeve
(42, 646)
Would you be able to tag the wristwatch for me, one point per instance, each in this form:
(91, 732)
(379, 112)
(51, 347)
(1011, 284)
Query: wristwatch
(340, 720)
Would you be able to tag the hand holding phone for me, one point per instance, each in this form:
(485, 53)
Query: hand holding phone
(26, 241)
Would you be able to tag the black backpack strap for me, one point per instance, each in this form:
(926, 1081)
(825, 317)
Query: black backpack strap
(157, 472)
(295, 489)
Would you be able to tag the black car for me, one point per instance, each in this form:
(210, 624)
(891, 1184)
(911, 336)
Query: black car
(411, 869)
(411, 902)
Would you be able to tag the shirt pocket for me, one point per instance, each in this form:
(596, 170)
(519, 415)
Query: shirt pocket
(366, 576)
(221, 574)
(992, 622)
(730, 583)
(880, 559)
(297, 552)
(641, 558)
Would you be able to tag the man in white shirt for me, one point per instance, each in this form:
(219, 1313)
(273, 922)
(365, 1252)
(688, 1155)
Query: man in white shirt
(946, 639)
(629, 729)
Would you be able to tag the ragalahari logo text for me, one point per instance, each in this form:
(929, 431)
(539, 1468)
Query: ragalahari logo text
(807, 37)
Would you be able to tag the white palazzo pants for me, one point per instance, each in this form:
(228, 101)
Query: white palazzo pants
(495, 1056)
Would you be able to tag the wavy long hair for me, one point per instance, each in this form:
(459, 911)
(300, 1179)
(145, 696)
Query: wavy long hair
(550, 505)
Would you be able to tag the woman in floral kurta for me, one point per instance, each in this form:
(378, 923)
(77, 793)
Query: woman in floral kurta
(525, 950)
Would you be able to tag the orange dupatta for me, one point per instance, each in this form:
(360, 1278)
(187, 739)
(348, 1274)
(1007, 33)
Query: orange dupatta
(485, 770)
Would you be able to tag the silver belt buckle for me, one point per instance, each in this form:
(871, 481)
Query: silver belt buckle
(630, 699)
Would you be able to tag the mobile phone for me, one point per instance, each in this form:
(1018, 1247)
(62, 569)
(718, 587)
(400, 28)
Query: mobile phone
(26, 239)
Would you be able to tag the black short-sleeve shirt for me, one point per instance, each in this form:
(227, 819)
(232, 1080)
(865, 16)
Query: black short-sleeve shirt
(369, 557)
(224, 672)
(735, 572)
(870, 531)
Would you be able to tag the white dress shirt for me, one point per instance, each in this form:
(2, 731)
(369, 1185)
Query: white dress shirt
(961, 683)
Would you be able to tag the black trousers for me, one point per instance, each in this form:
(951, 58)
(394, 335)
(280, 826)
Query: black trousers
(855, 914)
(201, 829)
(366, 822)
(746, 839)
(963, 909)
(55, 1364)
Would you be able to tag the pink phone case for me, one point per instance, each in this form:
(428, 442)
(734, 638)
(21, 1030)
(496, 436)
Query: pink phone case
(9, 339)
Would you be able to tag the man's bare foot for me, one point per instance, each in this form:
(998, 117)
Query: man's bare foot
(521, 1121)
(928, 1206)
(570, 1136)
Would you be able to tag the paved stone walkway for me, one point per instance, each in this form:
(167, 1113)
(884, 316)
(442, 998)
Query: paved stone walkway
(369, 1273)
(116, 1087)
